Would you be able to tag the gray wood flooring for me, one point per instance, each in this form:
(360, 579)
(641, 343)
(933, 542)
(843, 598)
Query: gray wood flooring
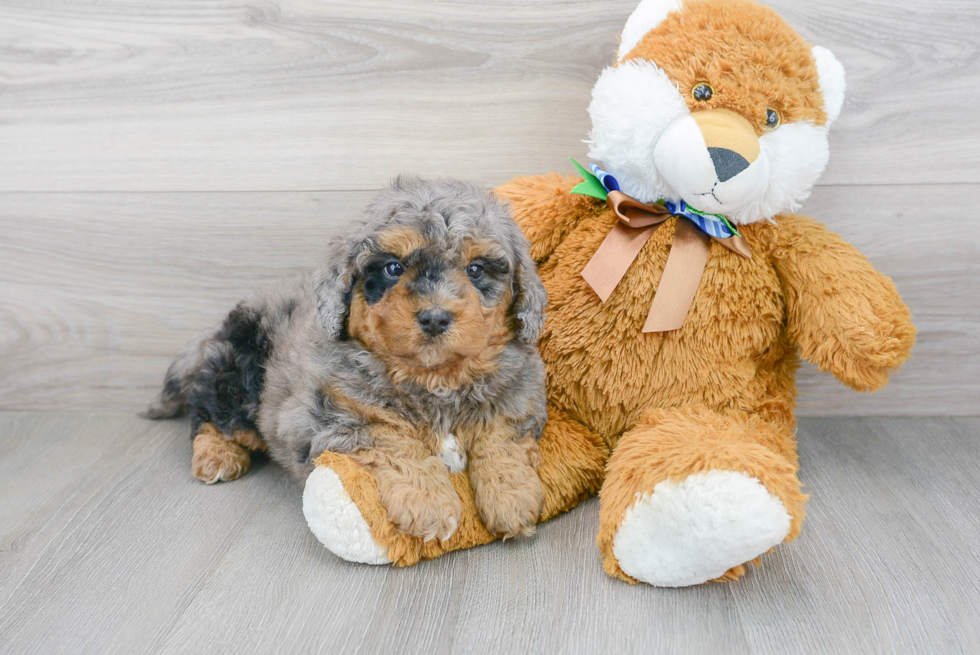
(107, 545)
(160, 159)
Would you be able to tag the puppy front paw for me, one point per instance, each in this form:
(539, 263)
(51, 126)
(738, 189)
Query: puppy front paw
(421, 502)
(421, 515)
(508, 511)
(507, 491)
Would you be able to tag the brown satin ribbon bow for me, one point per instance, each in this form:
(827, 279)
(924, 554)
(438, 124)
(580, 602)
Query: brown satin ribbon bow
(685, 264)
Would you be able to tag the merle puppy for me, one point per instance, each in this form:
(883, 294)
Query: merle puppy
(413, 349)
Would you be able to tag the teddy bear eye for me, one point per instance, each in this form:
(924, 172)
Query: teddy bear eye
(773, 119)
(394, 269)
(702, 92)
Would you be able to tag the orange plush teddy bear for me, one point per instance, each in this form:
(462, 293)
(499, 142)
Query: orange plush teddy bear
(681, 297)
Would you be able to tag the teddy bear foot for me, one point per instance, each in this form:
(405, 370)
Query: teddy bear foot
(693, 531)
(337, 522)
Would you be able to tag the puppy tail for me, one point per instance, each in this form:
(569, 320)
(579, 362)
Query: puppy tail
(172, 401)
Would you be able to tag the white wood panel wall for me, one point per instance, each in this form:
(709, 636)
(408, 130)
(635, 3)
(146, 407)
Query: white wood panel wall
(159, 159)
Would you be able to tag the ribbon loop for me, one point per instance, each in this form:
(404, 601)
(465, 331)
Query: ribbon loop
(635, 213)
(685, 263)
(614, 257)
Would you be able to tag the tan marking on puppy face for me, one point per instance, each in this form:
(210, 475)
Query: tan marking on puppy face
(476, 248)
(401, 241)
(390, 329)
(749, 56)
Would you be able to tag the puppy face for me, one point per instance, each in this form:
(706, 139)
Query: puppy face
(431, 305)
(437, 282)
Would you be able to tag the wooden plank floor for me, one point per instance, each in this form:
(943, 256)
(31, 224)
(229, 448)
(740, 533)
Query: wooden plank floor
(107, 545)
(159, 159)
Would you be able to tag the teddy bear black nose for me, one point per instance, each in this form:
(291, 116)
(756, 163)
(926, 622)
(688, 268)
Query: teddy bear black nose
(728, 163)
(434, 321)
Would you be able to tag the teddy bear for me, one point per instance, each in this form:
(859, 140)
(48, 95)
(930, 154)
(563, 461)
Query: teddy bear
(683, 293)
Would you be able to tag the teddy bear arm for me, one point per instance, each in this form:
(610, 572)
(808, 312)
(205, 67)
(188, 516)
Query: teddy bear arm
(546, 209)
(846, 317)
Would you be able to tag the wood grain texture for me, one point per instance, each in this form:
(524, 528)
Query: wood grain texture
(98, 289)
(108, 545)
(135, 95)
(98, 292)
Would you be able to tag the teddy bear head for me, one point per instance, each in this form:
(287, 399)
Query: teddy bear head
(718, 103)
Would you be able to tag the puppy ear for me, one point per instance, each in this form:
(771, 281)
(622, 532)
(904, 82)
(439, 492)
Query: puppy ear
(333, 283)
(530, 297)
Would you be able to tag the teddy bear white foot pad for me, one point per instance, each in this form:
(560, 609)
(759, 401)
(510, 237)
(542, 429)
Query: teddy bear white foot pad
(335, 520)
(692, 531)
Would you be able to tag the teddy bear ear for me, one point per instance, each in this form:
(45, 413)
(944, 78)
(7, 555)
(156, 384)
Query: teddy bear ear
(832, 82)
(647, 16)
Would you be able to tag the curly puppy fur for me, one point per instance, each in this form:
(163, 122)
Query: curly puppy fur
(414, 341)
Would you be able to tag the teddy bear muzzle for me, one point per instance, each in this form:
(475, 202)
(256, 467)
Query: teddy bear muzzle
(714, 160)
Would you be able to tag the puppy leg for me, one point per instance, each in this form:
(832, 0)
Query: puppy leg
(507, 490)
(414, 487)
(217, 457)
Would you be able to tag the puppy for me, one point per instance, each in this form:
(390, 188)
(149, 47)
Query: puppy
(413, 349)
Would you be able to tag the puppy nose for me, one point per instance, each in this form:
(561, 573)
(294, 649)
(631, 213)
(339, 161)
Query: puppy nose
(434, 321)
(728, 163)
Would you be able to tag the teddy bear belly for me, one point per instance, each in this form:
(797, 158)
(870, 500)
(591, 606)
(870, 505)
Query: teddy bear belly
(610, 392)
(731, 355)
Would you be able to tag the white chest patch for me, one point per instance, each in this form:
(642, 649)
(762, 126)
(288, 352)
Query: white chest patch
(452, 454)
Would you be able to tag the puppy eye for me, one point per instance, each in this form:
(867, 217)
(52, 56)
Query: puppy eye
(394, 269)
(474, 271)
(702, 92)
(773, 119)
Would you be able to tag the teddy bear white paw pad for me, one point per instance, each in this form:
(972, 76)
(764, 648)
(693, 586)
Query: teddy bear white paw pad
(692, 531)
(335, 520)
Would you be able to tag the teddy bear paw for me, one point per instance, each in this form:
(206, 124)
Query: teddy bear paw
(337, 522)
(692, 531)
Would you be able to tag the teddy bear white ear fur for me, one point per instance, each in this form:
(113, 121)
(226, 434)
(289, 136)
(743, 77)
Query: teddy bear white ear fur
(647, 15)
(832, 82)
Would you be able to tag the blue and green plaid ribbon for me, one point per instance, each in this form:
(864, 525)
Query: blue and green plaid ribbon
(714, 225)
